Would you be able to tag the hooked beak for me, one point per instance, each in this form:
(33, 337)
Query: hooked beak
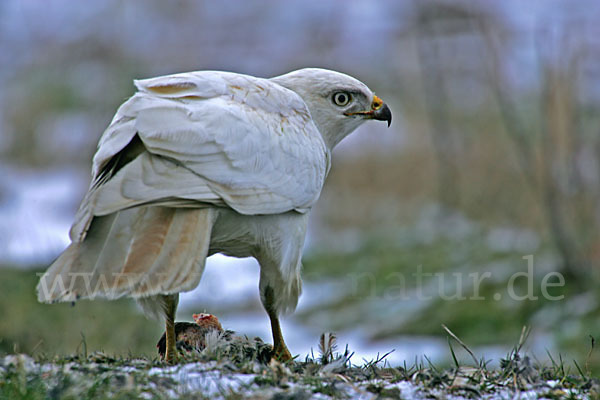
(379, 111)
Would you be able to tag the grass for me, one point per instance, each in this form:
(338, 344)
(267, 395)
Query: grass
(41, 329)
(105, 349)
(98, 376)
(363, 272)
(369, 272)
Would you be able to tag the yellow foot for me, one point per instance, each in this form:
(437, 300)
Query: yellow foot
(282, 354)
(170, 358)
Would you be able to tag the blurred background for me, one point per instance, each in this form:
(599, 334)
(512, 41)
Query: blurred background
(493, 155)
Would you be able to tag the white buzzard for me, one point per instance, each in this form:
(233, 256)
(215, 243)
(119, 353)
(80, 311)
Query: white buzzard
(201, 163)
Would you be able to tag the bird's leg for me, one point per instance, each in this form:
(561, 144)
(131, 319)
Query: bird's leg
(280, 350)
(170, 308)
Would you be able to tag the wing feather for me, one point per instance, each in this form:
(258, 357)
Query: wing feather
(209, 138)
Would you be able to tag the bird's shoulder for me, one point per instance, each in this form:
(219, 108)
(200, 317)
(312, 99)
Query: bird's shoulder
(248, 90)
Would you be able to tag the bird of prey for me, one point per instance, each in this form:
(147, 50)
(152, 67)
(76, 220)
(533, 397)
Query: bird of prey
(207, 162)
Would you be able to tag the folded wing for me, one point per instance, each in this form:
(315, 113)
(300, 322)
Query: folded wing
(207, 138)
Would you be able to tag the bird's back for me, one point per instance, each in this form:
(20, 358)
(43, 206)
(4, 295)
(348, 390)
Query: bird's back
(181, 149)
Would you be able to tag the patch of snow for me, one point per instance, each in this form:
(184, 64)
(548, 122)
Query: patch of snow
(36, 211)
(403, 348)
(197, 377)
(408, 390)
(218, 290)
(18, 360)
(507, 239)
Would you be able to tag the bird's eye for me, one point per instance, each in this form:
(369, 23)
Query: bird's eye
(341, 98)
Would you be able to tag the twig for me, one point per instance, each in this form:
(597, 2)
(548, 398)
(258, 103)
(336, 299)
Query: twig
(589, 355)
(523, 338)
(461, 343)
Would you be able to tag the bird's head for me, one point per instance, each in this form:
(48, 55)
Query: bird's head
(337, 102)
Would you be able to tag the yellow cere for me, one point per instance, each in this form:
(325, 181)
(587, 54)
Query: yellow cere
(377, 103)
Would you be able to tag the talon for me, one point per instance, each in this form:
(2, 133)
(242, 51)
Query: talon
(282, 355)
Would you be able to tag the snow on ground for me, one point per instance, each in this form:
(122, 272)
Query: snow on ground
(36, 210)
(215, 380)
(217, 291)
(204, 378)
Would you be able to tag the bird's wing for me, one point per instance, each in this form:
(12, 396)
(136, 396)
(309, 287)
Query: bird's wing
(192, 139)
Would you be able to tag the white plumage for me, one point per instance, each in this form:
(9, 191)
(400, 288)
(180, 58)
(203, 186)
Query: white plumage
(205, 162)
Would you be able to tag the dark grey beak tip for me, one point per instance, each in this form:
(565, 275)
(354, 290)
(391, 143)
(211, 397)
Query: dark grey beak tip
(384, 114)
